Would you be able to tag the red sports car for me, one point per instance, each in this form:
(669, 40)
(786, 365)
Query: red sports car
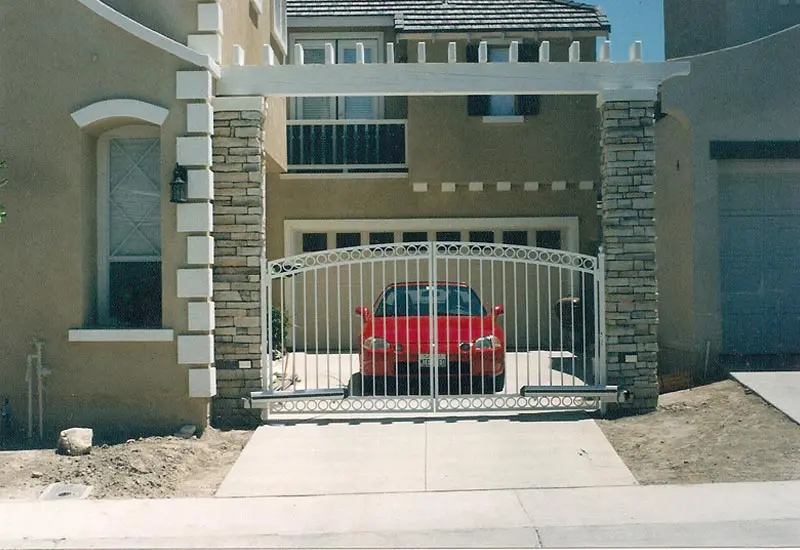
(396, 339)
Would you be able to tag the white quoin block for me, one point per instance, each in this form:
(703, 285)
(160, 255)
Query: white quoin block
(195, 349)
(200, 184)
(193, 85)
(448, 187)
(420, 187)
(504, 186)
(203, 382)
(238, 55)
(360, 53)
(201, 316)
(195, 217)
(421, 52)
(604, 55)
(299, 55)
(209, 18)
(483, 52)
(200, 250)
(544, 52)
(390, 53)
(476, 186)
(635, 52)
(531, 186)
(195, 283)
(559, 186)
(330, 54)
(194, 151)
(586, 185)
(575, 52)
(209, 44)
(452, 52)
(513, 52)
(267, 56)
(200, 118)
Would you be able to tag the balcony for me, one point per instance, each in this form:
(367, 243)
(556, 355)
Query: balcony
(346, 146)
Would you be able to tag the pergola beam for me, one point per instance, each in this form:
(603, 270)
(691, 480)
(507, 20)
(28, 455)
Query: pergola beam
(446, 79)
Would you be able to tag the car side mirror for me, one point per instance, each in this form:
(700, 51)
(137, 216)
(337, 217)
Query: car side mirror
(499, 310)
(363, 312)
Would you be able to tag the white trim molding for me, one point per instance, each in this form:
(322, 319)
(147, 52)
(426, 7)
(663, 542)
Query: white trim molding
(121, 335)
(120, 109)
(151, 37)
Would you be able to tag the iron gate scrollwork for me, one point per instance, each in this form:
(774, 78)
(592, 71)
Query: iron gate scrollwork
(432, 327)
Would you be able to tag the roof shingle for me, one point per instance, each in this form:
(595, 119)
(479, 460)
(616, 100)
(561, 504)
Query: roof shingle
(418, 16)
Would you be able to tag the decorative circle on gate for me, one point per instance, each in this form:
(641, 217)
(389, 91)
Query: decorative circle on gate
(579, 401)
(556, 401)
(545, 401)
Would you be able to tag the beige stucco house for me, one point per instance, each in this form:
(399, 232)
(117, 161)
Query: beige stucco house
(156, 165)
(97, 263)
(728, 191)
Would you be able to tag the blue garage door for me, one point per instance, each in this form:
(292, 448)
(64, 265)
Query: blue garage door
(760, 262)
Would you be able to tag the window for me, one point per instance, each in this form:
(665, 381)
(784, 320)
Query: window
(448, 236)
(381, 238)
(415, 236)
(129, 228)
(519, 238)
(345, 240)
(481, 236)
(548, 239)
(485, 105)
(315, 242)
(279, 21)
(346, 107)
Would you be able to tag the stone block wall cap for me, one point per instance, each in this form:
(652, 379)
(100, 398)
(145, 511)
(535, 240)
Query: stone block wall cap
(244, 103)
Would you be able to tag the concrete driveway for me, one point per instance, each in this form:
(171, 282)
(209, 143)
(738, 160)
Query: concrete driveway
(527, 451)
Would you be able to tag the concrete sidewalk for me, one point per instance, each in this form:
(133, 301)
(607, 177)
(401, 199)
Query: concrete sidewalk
(779, 389)
(426, 454)
(720, 515)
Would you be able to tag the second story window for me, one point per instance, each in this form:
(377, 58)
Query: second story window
(505, 105)
(341, 108)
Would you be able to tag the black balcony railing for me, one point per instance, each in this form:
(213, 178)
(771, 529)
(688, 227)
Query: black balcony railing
(319, 146)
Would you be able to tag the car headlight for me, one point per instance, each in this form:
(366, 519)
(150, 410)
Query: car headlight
(487, 342)
(373, 343)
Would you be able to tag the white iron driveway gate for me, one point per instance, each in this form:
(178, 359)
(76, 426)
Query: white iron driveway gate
(434, 326)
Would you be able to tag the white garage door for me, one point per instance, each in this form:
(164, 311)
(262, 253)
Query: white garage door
(760, 262)
(319, 303)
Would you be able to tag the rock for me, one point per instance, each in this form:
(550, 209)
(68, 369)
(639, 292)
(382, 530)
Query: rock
(36, 475)
(186, 431)
(75, 441)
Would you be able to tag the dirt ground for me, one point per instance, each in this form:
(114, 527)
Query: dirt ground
(153, 467)
(715, 433)
(721, 432)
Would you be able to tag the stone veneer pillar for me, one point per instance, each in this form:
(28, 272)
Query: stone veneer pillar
(628, 208)
(240, 244)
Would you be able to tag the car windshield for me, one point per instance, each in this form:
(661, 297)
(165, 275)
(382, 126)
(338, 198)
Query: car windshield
(415, 300)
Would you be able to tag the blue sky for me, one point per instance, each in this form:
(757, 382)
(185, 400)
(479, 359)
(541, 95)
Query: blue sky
(635, 20)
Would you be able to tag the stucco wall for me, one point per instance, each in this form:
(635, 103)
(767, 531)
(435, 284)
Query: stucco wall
(698, 26)
(377, 199)
(673, 240)
(48, 265)
(743, 93)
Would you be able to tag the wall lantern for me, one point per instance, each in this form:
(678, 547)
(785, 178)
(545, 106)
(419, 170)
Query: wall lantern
(178, 187)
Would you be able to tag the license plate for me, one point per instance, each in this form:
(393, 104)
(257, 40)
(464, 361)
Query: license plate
(425, 361)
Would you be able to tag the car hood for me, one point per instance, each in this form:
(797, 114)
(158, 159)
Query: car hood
(451, 329)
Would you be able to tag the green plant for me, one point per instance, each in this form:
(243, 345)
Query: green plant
(280, 331)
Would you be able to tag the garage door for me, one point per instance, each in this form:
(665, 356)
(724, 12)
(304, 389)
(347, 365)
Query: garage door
(760, 262)
(320, 303)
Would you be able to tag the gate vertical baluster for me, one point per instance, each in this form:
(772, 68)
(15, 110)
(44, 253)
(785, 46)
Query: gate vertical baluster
(583, 324)
(432, 320)
(550, 320)
(600, 318)
(394, 280)
(266, 324)
(339, 319)
(572, 326)
(538, 322)
(560, 325)
(316, 327)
